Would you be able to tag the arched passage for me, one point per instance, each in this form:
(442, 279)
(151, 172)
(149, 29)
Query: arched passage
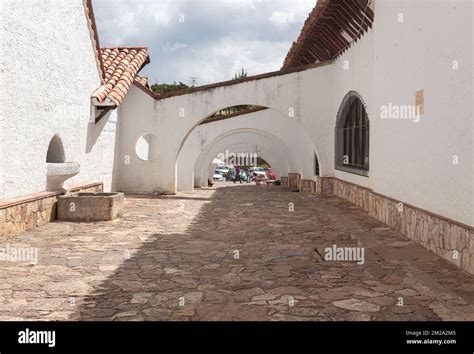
(269, 122)
(271, 149)
(175, 119)
(279, 164)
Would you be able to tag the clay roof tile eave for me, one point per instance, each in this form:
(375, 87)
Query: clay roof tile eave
(122, 65)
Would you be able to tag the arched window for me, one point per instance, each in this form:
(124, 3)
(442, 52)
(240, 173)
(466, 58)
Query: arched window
(352, 136)
(55, 151)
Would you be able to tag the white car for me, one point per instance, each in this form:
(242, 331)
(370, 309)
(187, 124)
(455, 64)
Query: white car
(259, 171)
(223, 169)
(217, 176)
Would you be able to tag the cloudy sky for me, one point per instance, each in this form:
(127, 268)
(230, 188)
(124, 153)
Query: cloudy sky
(207, 39)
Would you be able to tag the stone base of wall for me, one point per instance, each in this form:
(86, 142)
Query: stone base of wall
(294, 180)
(449, 239)
(307, 186)
(322, 185)
(28, 212)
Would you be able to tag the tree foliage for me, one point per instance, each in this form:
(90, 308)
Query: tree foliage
(165, 88)
(241, 74)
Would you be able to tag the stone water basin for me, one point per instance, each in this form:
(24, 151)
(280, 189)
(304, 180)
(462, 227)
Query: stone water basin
(90, 206)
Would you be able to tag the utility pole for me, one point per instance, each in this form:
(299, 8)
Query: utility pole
(193, 80)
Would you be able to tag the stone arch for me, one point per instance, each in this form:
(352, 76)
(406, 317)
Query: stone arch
(176, 117)
(289, 134)
(278, 93)
(196, 124)
(275, 161)
(275, 150)
(55, 153)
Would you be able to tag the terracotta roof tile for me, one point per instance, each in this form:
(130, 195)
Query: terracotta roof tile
(142, 80)
(121, 65)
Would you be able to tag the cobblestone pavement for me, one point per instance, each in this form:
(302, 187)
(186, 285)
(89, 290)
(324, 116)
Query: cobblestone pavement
(231, 253)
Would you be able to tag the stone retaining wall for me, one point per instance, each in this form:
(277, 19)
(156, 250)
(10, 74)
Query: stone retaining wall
(25, 213)
(322, 185)
(449, 239)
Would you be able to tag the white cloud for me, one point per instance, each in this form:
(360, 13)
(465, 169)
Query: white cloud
(167, 47)
(213, 36)
(282, 19)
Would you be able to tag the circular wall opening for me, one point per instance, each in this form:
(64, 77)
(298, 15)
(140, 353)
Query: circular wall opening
(145, 147)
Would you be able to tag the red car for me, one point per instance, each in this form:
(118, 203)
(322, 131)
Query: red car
(270, 174)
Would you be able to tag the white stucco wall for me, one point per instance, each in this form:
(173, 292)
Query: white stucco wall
(136, 119)
(48, 72)
(175, 118)
(412, 162)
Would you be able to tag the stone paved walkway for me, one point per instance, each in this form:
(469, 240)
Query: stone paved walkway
(235, 253)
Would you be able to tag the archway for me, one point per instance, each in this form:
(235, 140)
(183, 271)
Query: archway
(204, 171)
(273, 150)
(175, 119)
(267, 122)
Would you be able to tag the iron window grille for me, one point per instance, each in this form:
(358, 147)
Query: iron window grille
(352, 136)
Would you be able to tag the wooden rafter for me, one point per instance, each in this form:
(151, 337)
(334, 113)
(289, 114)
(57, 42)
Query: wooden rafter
(330, 29)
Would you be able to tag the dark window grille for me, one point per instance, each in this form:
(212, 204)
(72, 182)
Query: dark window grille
(352, 136)
(316, 165)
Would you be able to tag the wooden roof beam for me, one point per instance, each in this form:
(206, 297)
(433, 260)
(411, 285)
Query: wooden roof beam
(335, 44)
(324, 55)
(357, 14)
(327, 44)
(344, 25)
(335, 34)
(365, 9)
(350, 20)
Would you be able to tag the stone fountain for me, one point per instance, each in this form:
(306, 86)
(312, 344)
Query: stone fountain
(58, 173)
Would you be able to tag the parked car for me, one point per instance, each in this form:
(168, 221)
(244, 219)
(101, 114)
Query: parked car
(223, 169)
(230, 176)
(270, 174)
(243, 176)
(258, 172)
(217, 176)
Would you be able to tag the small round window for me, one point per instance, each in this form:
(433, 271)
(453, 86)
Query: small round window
(145, 148)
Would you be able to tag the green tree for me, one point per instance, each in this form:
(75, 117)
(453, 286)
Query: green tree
(242, 73)
(165, 88)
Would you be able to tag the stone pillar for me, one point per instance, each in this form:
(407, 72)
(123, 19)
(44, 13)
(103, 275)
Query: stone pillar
(324, 185)
(294, 180)
(307, 186)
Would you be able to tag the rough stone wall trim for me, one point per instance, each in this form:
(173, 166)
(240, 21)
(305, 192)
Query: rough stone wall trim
(460, 224)
(42, 195)
(438, 234)
(34, 212)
